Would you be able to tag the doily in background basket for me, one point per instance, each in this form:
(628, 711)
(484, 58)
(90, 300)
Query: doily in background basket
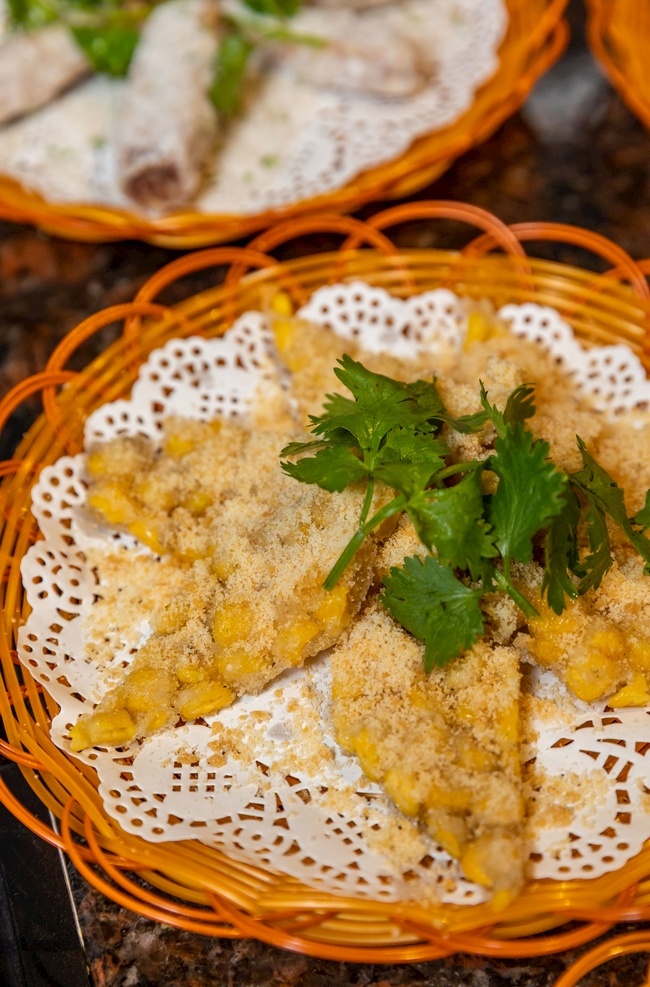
(270, 786)
(295, 141)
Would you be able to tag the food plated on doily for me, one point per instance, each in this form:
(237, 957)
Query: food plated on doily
(335, 607)
(189, 121)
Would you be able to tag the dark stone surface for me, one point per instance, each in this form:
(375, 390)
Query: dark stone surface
(575, 154)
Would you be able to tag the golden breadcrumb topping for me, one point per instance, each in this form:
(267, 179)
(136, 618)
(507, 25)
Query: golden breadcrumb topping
(253, 548)
(234, 596)
(445, 746)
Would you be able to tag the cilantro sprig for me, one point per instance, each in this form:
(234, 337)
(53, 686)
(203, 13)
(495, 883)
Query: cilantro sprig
(259, 22)
(107, 31)
(476, 518)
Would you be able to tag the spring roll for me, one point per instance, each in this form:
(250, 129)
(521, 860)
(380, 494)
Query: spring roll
(166, 125)
(362, 53)
(35, 67)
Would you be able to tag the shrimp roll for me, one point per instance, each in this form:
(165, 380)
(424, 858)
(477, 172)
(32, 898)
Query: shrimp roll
(166, 124)
(35, 67)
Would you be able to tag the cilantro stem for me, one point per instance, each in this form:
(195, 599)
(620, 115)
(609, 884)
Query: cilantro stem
(505, 584)
(455, 468)
(367, 501)
(394, 506)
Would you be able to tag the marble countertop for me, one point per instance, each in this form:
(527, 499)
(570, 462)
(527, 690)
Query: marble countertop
(574, 154)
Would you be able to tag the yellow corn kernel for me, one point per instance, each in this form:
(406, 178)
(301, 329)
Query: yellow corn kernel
(110, 729)
(418, 698)
(146, 688)
(609, 641)
(79, 736)
(203, 698)
(221, 568)
(281, 303)
(465, 713)
(476, 759)
(475, 865)
(198, 502)
(231, 623)
(501, 899)
(450, 798)
(193, 554)
(172, 616)
(635, 693)
(292, 639)
(187, 674)
(156, 720)
(400, 788)
(283, 330)
(366, 750)
(548, 633)
(110, 499)
(447, 840)
(331, 611)
(508, 724)
(147, 534)
(179, 444)
(339, 691)
(116, 458)
(478, 330)
(638, 653)
(154, 496)
(592, 676)
(236, 666)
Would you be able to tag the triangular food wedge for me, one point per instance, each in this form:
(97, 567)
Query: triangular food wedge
(444, 745)
(253, 547)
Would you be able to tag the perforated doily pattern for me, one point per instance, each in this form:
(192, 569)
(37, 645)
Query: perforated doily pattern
(296, 141)
(264, 781)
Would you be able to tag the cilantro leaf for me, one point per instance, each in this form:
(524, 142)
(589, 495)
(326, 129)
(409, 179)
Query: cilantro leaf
(408, 459)
(332, 468)
(642, 517)
(593, 567)
(230, 70)
(430, 408)
(561, 554)
(529, 493)
(604, 492)
(109, 49)
(298, 448)
(519, 406)
(378, 405)
(428, 600)
(274, 8)
(451, 519)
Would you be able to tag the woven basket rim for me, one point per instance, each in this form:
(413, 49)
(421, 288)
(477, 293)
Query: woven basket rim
(211, 894)
(525, 55)
(617, 46)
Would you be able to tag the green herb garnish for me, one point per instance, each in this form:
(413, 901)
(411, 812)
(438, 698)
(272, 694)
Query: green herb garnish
(269, 20)
(107, 31)
(477, 518)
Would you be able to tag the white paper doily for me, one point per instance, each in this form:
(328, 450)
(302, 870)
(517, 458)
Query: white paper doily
(251, 789)
(295, 141)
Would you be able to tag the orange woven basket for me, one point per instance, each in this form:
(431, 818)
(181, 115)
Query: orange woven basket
(187, 884)
(535, 37)
(619, 35)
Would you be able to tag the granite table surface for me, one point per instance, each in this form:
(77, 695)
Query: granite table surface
(574, 154)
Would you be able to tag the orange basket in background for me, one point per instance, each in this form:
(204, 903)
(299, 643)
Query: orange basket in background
(535, 37)
(190, 885)
(619, 35)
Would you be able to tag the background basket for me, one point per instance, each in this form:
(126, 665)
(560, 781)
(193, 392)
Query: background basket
(536, 35)
(619, 35)
(185, 883)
